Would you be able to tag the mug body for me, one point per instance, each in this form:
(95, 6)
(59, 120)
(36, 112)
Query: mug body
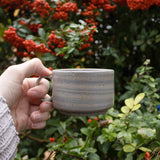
(83, 91)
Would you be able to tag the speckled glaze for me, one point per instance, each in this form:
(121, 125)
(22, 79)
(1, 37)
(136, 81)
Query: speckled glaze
(83, 91)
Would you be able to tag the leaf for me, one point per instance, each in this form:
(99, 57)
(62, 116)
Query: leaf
(71, 144)
(93, 156)
(146, 132)
(48, 57)
(70, 50)
(101, 139)
(138, 98)
(63, 124)
(121, 134)
(136, 107)
(87, 131)
(144, 149)
(40, 151)
(41, 32)
(125, 109)
(129, 102)
(128, 148)
(158, 131)
(121, 115)
(16, 12)
(76, 150)
(157, 39)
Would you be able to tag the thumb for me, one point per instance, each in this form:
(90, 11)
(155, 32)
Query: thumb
(34, 67)
(11, 80)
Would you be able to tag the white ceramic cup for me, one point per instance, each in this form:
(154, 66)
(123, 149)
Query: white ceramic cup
(82, 92)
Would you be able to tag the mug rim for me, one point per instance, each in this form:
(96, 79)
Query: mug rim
(83, 70)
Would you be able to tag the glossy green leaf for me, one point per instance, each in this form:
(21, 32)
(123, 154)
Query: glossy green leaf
(87, 131)
(136, 107)
(93, 156)
(138, 98)
(121, 115)
(147, 132)
(41, 32)
(129, 102)
(129, 148)
(144, 149)
(125, 109)
(158, 131)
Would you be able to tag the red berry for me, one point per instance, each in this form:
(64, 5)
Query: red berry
(96, 118)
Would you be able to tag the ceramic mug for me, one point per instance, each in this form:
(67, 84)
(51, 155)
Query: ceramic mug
(82, 91)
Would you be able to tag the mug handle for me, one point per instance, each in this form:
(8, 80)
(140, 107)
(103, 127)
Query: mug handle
(37, 83)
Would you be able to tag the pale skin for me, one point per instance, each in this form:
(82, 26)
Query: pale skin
(24, 97)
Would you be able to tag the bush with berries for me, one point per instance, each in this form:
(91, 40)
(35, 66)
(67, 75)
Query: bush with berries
(119, 34)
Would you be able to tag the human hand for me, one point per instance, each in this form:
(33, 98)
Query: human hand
(23, 96)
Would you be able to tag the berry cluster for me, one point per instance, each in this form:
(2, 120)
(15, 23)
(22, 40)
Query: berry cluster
(55, 42)
(31, 46)
(140, 4)
(63, 9)
(89, 40)
(11, 36)
(90, 120)
(41, 7)
(52, 139)
(91, 10)
(15, 4)
(24, 54)
(33, 27)
(109, 8)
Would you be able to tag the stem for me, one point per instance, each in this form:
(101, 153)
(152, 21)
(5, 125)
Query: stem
(37, 139)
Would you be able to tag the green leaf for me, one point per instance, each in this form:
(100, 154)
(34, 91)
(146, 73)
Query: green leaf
(144, 149)
(147, 132)
(71, 143)
(28, 37)
(129, 156)
(70, 50)
(48, 57)
(121, 115)
(18, 157)
(87, 131)
(129, 148)
(136, 107)
(138, 98)
(125, 109)
(129, 102)
(102, 139)
(76, 150)
(158, 131)
(121, 134)
(41, 32)
(40, 151)
(63, 124)
(93, 156)
(153, 33)
(157, 39)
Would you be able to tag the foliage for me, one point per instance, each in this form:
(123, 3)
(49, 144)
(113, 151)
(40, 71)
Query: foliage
(119, 34)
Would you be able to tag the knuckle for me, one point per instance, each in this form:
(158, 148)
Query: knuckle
(45, 84)
(15, 69)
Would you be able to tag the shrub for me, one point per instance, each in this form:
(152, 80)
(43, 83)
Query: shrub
(117, 34)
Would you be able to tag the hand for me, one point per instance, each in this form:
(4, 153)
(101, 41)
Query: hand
(23, 96)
